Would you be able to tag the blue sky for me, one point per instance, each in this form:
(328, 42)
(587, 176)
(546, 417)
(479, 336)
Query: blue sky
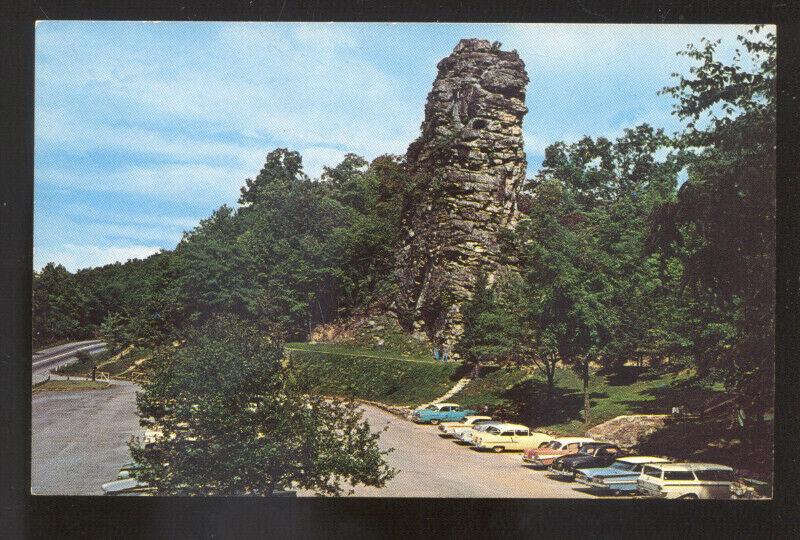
(143, 129)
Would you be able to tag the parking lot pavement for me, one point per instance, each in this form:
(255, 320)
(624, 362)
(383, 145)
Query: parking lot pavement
(431, 466)
(79, 439)
(80, 442)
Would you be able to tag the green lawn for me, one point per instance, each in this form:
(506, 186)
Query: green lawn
(336, 348)
(69, 386)
(509, 392)
(115, 368)
(520, 396)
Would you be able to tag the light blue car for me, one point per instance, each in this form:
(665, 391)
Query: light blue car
(620, 477)
(440, 412)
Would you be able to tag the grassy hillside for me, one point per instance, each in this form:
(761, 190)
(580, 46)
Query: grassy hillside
(117, 365)
(373, 375)
(520, 395)
(508, 392)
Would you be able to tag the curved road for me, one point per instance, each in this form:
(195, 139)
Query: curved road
(47, 359)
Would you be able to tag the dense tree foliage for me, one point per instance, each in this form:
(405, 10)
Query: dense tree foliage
(722, 223)
(228, 417)
(58, 306)
(296, 252)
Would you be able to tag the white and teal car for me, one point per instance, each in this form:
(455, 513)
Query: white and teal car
(620, 477)
(449, 429)
(466, 435)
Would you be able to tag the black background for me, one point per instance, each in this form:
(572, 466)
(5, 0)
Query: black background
(66, 517)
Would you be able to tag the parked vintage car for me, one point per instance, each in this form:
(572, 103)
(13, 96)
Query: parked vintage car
(126, 486)
(467, 435)
(590, 455)
(448, 429)
(504, 437)
(620, 477)
(440, 412)
(128, 470)
(543, 457)
(686, 481)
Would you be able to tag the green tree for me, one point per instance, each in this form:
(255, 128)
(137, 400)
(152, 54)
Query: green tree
(230, 419)
(587, 281)
(209, 269)
(722, 225)
(58, 305)
(484, 336)
(282, 169)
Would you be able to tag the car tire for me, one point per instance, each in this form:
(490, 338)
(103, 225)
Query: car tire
(689, 496)
(497, 449)
(434, 422)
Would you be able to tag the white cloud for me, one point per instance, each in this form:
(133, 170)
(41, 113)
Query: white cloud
(315, 158)
(181, 182)
(595, 47)
(75, 256)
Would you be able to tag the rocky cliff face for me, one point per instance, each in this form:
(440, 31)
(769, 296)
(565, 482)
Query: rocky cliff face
(468, 166)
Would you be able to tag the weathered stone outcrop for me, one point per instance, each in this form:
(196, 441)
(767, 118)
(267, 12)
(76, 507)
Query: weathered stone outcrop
(627, 431)
(468, 166)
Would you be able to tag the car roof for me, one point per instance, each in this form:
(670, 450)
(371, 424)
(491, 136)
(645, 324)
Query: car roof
(510, 426)
(569, 440)
(644, 459)
(446, 404)
(478, 417)
(691, 466)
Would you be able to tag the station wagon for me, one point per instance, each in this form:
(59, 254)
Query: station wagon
(686, 481)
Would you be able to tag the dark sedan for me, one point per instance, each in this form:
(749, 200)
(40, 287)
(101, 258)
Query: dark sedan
(590, 455)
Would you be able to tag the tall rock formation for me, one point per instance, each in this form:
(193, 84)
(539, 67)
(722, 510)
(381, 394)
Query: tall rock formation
(468, 166)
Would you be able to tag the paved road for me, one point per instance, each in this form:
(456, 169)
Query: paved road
(431, 466)
(48, 359)
(80, 438)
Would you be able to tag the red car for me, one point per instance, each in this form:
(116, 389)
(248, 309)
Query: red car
(544, 456)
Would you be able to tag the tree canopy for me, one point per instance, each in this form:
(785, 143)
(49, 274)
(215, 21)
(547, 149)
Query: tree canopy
(228, 417)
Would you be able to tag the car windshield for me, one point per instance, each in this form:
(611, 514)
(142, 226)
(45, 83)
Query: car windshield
(432, 407)
(623, 466)
(479, 422)
(652, 471)
(555, 445)
(588, 449)
(493, 430)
